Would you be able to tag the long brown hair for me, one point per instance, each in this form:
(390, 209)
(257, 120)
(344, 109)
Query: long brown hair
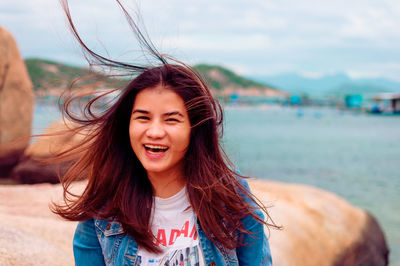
(118, 186)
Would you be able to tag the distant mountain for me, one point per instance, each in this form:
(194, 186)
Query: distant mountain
(47, 74)
(337, 84)
(226, 82)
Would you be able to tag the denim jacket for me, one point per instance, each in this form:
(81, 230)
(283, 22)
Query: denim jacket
(103, 242)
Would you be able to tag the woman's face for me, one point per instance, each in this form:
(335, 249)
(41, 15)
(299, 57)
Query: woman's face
(159, 130)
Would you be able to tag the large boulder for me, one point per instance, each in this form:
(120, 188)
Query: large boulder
(319, 228)
(34, 166)
(16, 103)
(29, 233)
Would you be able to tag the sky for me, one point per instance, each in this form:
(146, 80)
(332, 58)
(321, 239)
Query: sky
(254, 37)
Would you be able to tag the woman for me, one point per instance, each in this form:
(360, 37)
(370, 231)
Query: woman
(160, 188)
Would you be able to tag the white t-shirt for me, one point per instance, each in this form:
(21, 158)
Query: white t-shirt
(174, 228)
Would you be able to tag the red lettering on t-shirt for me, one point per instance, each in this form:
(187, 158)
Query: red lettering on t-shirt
(161, 238)
(174, 235)
(185, 229)
(194, 232)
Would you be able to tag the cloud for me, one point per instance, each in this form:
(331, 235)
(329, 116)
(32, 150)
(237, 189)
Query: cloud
(226, 43)
(255, 36)
(371, 23)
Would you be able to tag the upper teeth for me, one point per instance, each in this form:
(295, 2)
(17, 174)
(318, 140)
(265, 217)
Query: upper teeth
(155, 146)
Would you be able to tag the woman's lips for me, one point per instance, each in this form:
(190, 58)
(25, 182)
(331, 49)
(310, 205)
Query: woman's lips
(155, 151)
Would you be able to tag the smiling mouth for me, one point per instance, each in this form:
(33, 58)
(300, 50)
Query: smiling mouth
(155, 149)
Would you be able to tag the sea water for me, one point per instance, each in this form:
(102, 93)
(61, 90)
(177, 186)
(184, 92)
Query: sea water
(354, 155)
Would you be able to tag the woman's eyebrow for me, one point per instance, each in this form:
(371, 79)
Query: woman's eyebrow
(140, 111)
(173, 113)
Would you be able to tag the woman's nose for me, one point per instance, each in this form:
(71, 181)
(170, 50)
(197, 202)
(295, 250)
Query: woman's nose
(155, 130)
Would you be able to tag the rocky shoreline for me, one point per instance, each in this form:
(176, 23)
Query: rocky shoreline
(319, 228)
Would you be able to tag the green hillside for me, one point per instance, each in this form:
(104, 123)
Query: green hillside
(220, 78)
(46, 74)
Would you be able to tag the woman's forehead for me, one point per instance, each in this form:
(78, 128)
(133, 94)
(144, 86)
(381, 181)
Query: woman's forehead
(159, 99)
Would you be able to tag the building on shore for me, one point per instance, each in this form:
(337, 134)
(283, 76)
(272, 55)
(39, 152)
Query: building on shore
(386, 103)
(353, 101)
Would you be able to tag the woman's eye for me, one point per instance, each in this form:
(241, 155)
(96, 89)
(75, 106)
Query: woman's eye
(142, 118)
(172, 120)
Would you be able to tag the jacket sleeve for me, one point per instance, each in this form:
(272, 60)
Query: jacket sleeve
(255, 249)
(87, 249)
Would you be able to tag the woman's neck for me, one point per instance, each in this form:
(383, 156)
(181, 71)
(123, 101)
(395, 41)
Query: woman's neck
(166, 185)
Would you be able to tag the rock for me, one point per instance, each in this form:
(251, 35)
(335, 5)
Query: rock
(29, 233)
(56, 138)
(18, 245)
(33, 168)
(16, 103)
(369, 249)
(32, 171)
(319, 228)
